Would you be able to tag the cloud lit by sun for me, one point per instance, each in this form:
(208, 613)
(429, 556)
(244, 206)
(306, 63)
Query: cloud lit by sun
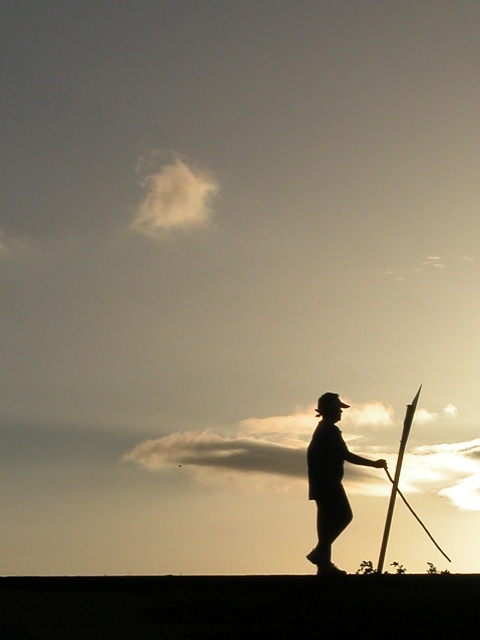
(451, 410)
(272, 453)
(177, 196)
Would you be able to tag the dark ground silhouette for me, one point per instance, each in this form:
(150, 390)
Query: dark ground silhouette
(237, 606)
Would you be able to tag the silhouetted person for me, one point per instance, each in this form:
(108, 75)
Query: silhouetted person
(326, 454)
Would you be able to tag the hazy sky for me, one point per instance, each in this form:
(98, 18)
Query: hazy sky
(211, 212)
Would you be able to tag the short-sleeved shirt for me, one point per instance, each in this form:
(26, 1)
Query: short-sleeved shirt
(325, 456)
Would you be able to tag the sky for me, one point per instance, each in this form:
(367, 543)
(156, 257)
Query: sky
(211, 213)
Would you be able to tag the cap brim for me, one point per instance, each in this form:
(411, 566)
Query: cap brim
(344, 406)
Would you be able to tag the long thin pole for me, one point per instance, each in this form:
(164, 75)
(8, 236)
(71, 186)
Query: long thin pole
(407, 424)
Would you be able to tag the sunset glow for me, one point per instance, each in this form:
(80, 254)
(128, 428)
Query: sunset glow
(211, 214)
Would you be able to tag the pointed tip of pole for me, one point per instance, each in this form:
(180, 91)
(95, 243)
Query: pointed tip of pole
(415, 400)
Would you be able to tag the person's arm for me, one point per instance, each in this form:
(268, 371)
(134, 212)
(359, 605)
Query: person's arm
(365, 462)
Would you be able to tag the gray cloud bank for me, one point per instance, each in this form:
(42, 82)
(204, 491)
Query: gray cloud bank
(212, 450)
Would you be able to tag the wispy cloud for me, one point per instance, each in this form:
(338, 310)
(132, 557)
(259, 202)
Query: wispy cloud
(11, 246)
(451, 470)
(431, 263)
(178, 196)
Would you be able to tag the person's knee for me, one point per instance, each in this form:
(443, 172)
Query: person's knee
(347, 518)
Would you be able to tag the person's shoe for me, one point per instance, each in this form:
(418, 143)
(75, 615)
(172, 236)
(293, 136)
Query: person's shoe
(329, 569)
(314, 557)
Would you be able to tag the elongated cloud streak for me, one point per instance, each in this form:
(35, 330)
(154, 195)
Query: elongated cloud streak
(275, 446)
(177, 196)
(432, 263)
(271, 453)
(208, 449)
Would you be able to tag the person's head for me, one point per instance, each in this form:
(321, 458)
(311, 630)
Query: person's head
(330, 406)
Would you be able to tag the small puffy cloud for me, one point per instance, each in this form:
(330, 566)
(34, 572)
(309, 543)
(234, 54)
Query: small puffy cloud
(468, 259)
(178, 196)
(422, 416)
(370, 414)
(451, 410)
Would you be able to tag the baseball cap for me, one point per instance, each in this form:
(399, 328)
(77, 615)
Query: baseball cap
(328, 401)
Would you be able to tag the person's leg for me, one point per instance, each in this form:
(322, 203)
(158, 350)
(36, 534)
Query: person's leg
(334, 514)
(324, 546)
(341, 513)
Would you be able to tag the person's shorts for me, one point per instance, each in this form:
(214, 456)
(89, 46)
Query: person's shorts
(333, 504)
